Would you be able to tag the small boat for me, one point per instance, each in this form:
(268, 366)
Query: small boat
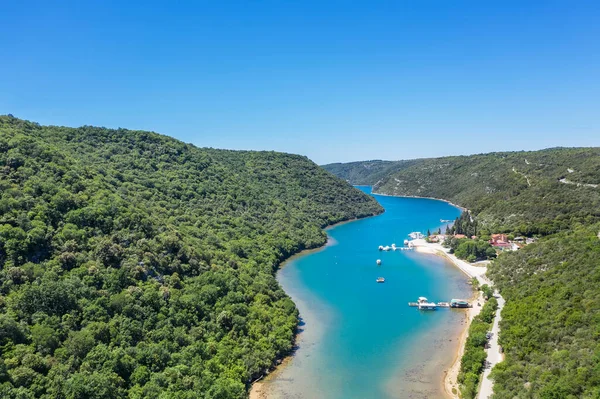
(381, 247)
(386, 248)
(380, 280)
(393, 247)
(406, 242)
(424, 304)
(378, 262)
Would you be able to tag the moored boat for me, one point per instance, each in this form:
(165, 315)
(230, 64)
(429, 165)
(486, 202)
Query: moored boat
(424, 304)
(380, 280)
(378, 262)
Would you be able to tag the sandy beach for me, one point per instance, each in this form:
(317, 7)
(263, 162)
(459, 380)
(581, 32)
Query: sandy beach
(450, 380)
(258, 391)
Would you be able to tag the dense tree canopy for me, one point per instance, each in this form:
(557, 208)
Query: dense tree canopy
(550, 326)
(134, 265)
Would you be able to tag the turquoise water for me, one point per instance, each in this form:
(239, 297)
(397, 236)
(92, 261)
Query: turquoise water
(359, 338)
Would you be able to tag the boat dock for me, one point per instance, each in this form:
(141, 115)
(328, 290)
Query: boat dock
(424, 304)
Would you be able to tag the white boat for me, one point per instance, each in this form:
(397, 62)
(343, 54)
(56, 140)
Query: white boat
(427, 306)
(378, 261)
(381, 247)
(406, 242)
(386, 248)
(380, 280)
(424, 304)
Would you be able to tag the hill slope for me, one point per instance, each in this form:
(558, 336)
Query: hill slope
(134, 265)
(549, 327)
(523, 192)
(367, 173)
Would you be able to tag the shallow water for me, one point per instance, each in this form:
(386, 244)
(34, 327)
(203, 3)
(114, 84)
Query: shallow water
(359, 338)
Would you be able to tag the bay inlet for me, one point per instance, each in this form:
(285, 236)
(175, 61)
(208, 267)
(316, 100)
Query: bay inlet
(358, 338)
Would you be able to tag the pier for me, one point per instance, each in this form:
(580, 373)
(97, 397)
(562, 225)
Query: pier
(424, 304)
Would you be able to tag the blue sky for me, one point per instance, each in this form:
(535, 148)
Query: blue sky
(333, 80)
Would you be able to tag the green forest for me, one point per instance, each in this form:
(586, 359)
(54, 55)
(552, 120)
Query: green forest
(518, 192)
(550, 327)
(133, 265)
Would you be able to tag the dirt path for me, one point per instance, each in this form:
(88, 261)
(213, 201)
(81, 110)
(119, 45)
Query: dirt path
(565, 181)
(522, 174)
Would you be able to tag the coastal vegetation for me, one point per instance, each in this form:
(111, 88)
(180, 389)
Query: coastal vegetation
(473, 360)
(470, 250)
(135, 265)
(549, 327)
(464, 241)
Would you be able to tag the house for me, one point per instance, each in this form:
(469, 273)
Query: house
(437, 238)
(459, 236)
(500, 241)
(499, 237)
(459, 303)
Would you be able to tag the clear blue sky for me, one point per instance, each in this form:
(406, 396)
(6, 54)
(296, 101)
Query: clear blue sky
(336, 81)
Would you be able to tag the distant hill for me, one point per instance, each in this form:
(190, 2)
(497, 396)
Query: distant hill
(366, 173)
(549, 327)
(524, 192)
(135, 265)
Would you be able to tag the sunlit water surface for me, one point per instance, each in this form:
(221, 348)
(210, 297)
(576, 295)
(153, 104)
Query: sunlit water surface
(359, 338)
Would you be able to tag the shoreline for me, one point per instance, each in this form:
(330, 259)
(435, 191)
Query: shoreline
(450, 382)
(258, 388)
(416, 196)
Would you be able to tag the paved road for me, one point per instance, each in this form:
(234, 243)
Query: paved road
(493, 353)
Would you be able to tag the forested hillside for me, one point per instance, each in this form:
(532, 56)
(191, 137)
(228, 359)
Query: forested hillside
(366, 173)
(134, 265)
(550, 328)
(537, 192)
(551, 320)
